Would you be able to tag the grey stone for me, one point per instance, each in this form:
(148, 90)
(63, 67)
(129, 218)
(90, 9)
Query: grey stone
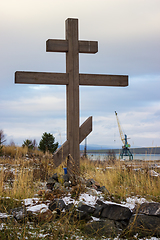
(80, 215)
(19, 213)
(92, 192)
(99, 202)
(104, 190)
(82, 180)
(70, 207)
(90, 182)
(144, 225)
(66, 184)
(101, 228)
(55, 177)
(50, 183)
(85, 208)
(152, 209)
(66, 178)
(49, 186)
(98, 211)
(115, 212)
(57, 205)
(121, 224)
(57, 186)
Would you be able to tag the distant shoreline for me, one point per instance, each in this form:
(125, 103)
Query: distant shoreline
(145, 150)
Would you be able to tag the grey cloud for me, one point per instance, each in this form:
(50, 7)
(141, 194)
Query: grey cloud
(128, 36)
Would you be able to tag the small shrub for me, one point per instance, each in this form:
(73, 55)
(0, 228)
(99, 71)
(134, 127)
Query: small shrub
(47, 143)
(28, 143)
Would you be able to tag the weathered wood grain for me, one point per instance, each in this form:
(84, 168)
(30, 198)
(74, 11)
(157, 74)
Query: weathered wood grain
(63, 152)
(85, 129)
(103, 80)
(58, 45)
(41, 78)
(88, 46)
(72, 68)
(55, 45)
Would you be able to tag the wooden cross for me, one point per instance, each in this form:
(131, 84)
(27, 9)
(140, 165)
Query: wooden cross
(72, 79)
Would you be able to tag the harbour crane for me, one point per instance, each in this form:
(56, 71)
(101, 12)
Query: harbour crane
(125, 148)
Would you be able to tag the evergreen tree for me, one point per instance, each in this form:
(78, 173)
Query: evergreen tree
(28, 143)
(47, 143)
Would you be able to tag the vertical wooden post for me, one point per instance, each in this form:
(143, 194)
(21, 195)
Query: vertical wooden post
(72, 68)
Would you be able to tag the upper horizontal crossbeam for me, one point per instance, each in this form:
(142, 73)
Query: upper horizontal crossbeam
(55, 45)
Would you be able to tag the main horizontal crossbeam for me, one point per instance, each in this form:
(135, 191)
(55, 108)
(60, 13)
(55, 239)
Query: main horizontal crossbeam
(63, 79)
(41, 78)
(103, 80)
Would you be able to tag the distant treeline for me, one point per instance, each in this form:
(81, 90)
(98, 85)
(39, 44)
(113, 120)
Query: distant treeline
(148, 150)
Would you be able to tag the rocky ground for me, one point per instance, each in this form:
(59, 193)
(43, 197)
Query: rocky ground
(66, 207)
(85, 201)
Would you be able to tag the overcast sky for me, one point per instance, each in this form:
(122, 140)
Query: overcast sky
(128, 35)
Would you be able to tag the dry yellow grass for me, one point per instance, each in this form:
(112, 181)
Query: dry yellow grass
(14, 151)
(122, 179)
(21, 171)
(31, 168)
